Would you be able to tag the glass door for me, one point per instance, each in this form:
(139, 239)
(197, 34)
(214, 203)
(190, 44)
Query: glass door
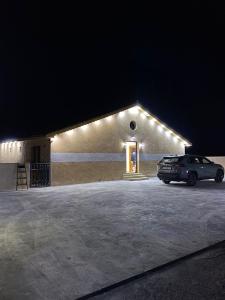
(131, 157)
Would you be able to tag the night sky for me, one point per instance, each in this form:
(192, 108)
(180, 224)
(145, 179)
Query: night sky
(62, 64)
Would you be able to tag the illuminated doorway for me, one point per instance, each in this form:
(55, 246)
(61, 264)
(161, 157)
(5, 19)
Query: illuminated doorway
(132, 157)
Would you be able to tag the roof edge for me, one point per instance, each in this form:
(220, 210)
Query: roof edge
(76, 125)
(135, 103)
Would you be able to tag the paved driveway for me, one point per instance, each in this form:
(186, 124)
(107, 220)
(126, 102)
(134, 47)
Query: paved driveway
(64, 242)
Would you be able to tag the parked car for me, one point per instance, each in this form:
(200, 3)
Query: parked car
(188, 168)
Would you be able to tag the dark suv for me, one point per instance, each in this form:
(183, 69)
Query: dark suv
(188, 168)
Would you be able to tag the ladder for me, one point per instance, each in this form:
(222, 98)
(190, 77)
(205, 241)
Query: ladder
(21, 179)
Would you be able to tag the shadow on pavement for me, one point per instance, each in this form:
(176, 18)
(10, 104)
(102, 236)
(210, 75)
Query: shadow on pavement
(201, 276)
(205, 184)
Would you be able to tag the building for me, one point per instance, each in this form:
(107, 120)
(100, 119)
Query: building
(130, 140)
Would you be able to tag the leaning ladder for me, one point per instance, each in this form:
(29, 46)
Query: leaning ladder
(21, 179)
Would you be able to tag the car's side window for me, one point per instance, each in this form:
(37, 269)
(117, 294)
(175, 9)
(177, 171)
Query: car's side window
(206, 161)
(194, 160)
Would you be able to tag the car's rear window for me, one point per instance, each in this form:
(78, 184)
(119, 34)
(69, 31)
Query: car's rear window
(170, 160)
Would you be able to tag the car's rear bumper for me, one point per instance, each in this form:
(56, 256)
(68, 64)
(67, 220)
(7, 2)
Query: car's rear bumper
(171, 176)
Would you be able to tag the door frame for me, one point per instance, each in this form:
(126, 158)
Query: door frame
(128, 157)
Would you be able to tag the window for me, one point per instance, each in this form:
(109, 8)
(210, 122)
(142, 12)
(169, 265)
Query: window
(133, 125)
(194, 160)
(205, 161)
(171, 160)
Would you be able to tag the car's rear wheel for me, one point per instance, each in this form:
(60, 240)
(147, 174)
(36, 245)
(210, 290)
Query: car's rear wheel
(166, 181)
(192, 179)
(219, 176)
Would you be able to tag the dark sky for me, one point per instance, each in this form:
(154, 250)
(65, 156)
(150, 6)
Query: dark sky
(60, 64)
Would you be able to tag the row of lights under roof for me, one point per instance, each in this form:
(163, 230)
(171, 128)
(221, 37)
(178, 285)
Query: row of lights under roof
(135, 110)
(10, 143)
(161, 126)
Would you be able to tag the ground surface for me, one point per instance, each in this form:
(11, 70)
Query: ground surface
(201, 277)
(64, 242)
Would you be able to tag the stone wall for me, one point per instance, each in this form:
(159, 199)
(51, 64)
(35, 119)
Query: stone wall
(8, 173)
(12, 152)
(218, 160)
(69, 173)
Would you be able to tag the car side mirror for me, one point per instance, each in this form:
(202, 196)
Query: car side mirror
(212, 162)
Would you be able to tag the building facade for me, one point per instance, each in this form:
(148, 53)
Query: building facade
(130, 140)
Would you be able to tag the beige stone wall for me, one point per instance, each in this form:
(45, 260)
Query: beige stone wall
(218, 160)
(149, 168)
(11, 152)
(107, 136)
(8, 176)
(70, 173)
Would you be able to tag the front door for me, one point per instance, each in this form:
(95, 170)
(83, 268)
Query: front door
(131, 157)
(36, 154)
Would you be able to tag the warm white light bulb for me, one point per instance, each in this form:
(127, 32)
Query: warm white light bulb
(146, 114)
(160, 128)
(97, 123)
(168, 133)
(109, 118)
(54, 138)
(134, 110)
(121, 114)
(84, 127)
(69, 132)
(152, 121)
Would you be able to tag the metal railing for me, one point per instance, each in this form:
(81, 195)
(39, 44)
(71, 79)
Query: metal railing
(39, 174)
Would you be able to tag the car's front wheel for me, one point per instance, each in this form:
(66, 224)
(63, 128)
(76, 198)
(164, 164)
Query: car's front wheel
(192, 179)
(166, 181)
(219, 176)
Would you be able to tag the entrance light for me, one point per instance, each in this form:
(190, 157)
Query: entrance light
(54, 138)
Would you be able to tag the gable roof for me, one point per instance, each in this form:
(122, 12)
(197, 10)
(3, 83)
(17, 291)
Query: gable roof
(134, 106)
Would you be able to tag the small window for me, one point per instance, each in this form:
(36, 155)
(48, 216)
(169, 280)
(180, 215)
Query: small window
(133, 125)
(171, 160)
(206, 161)
(194, 160)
